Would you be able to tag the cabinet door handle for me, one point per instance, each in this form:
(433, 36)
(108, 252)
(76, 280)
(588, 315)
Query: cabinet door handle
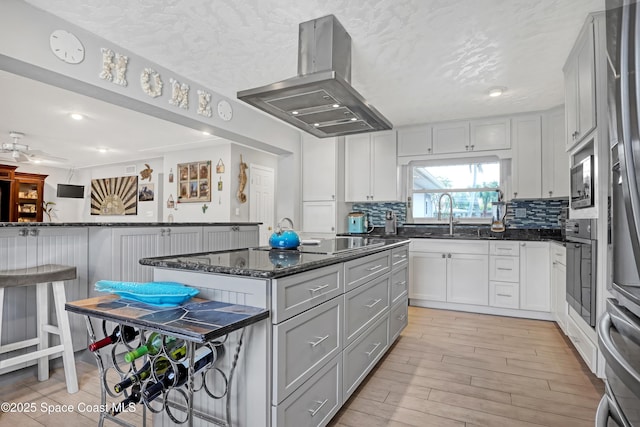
(472, 147)
(168, 232)
(400, 256)
(523, 244)
(33, 232)
(504, 269)
(550, 193)
(162, 232)
(319, 288)
(333, 196)
(22, 232)
(373, 304)
(320, 339)
(515, 194)
(375, 267)
(313, 412)
(428, 150)
(402, 317)
(444, 256)
(504, 295)
(448, 255)
(404, 282)
(375, 347)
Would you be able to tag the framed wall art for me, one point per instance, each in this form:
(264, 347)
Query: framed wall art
(194, 182)
(114, 196)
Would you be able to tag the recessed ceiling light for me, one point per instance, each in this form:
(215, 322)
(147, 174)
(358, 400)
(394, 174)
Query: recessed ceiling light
(316, 124)
(295, 113)
(204, 132)
(353, 119)
(102, 149)
(335, 105)
(76, 116)
(496, 91)
(37, 161)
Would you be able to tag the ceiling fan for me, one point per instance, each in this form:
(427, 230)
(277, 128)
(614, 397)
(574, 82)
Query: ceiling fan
(21, 153)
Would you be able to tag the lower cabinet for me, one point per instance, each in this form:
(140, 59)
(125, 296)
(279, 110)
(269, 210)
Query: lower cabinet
(398, 318)
(468, 278)
(559, 305)
(535, 287)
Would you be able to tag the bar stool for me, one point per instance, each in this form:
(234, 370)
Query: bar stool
(41, 276)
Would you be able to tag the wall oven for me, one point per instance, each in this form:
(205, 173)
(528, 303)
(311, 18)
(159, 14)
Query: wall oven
(581, 267)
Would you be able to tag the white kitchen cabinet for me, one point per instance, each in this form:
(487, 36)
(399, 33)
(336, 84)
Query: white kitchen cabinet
(319, 163)
(526, 165)
(451, 137)
(504, 274)
(580, 91)
(555, 159)
(319, 217)
(371, 173)
(559, 305)
(490, 134)
(129, 244)
(451, 271)
(218, 238)
(468, 279)
(535, 286)
(414, 141)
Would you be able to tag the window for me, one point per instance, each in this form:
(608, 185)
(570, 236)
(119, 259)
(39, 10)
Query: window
(473, 186)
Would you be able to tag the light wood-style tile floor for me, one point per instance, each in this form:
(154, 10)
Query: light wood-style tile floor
(462, 369)
(447, 369)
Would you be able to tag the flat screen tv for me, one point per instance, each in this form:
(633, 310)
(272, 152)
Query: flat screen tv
(70, 191)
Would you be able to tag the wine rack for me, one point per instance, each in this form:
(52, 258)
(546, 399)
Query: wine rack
(112, 369)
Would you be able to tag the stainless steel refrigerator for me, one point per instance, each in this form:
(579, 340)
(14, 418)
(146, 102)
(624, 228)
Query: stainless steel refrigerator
(619, 328)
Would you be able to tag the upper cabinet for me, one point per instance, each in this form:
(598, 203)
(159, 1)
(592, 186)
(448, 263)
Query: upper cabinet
(580, 91)
(414, 141)
(490, 134)
(452, 137)
(21, 195)
(371, 173)
(555, 159)
(526, 165)
(319, 160)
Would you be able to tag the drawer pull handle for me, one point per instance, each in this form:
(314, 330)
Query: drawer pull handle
(400, 256)
(319, 288)
(505, 269)
(373, 303)
(320, 339)
(402, 317)
(375, 267)
(404, 282)
(375, 347)
(504, 295)
(314, 412)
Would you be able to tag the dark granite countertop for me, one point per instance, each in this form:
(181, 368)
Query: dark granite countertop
(122, 224)
(466, 232)
(260, 263)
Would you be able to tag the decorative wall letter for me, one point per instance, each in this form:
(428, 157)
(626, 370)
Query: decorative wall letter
(151, 82)
(179, 94)
(109, 66)
(204, 101)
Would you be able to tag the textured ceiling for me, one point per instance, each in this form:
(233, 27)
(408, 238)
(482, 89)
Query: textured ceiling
(416, 61)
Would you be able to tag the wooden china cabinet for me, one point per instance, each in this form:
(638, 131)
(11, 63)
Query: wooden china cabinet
(20, 195)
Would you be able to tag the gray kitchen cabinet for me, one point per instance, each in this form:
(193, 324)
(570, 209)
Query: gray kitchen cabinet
(580, 90)
(535, 286)
(559, 306)
(371, 172)
(555, 159)
(526, 164)
(490, 134)
(129, 244)
(414, 141)
(22, 247)
(219, 238)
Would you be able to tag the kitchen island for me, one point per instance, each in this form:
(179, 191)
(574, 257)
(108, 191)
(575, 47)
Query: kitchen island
(332, 318)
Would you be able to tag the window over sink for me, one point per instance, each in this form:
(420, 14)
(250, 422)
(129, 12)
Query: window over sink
(473, 184)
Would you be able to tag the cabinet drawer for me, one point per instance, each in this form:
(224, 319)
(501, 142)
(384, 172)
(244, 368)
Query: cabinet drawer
(365, 305)
(294, 294)
(316, 402)
(583, 344)
(361, 356)
(505, 295)
(398, 319)
(504, 268)
(303, 344)
(398, 287)
(450, 246)
(399, 257)
(504, 248)
(359, 271)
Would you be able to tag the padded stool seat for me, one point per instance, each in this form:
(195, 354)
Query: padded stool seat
(41, 276)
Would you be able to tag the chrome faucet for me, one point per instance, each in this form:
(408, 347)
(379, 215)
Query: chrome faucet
(450, 211)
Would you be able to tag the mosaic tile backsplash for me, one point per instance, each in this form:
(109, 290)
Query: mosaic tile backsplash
(532, 213)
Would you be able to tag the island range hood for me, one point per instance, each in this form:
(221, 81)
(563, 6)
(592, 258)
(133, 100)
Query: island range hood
(320, 100)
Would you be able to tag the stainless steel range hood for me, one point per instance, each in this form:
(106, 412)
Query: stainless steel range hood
(320, 100)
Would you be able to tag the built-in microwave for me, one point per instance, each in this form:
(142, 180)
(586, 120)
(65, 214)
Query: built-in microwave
(582, 184)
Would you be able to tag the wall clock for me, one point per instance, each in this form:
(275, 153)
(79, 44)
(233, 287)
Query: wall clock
(224, 110)
(66, 46)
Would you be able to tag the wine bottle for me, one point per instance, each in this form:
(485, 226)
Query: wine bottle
(152, 346)
(160, 366)
(172, 378)
(133, 398)
(128, 334)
